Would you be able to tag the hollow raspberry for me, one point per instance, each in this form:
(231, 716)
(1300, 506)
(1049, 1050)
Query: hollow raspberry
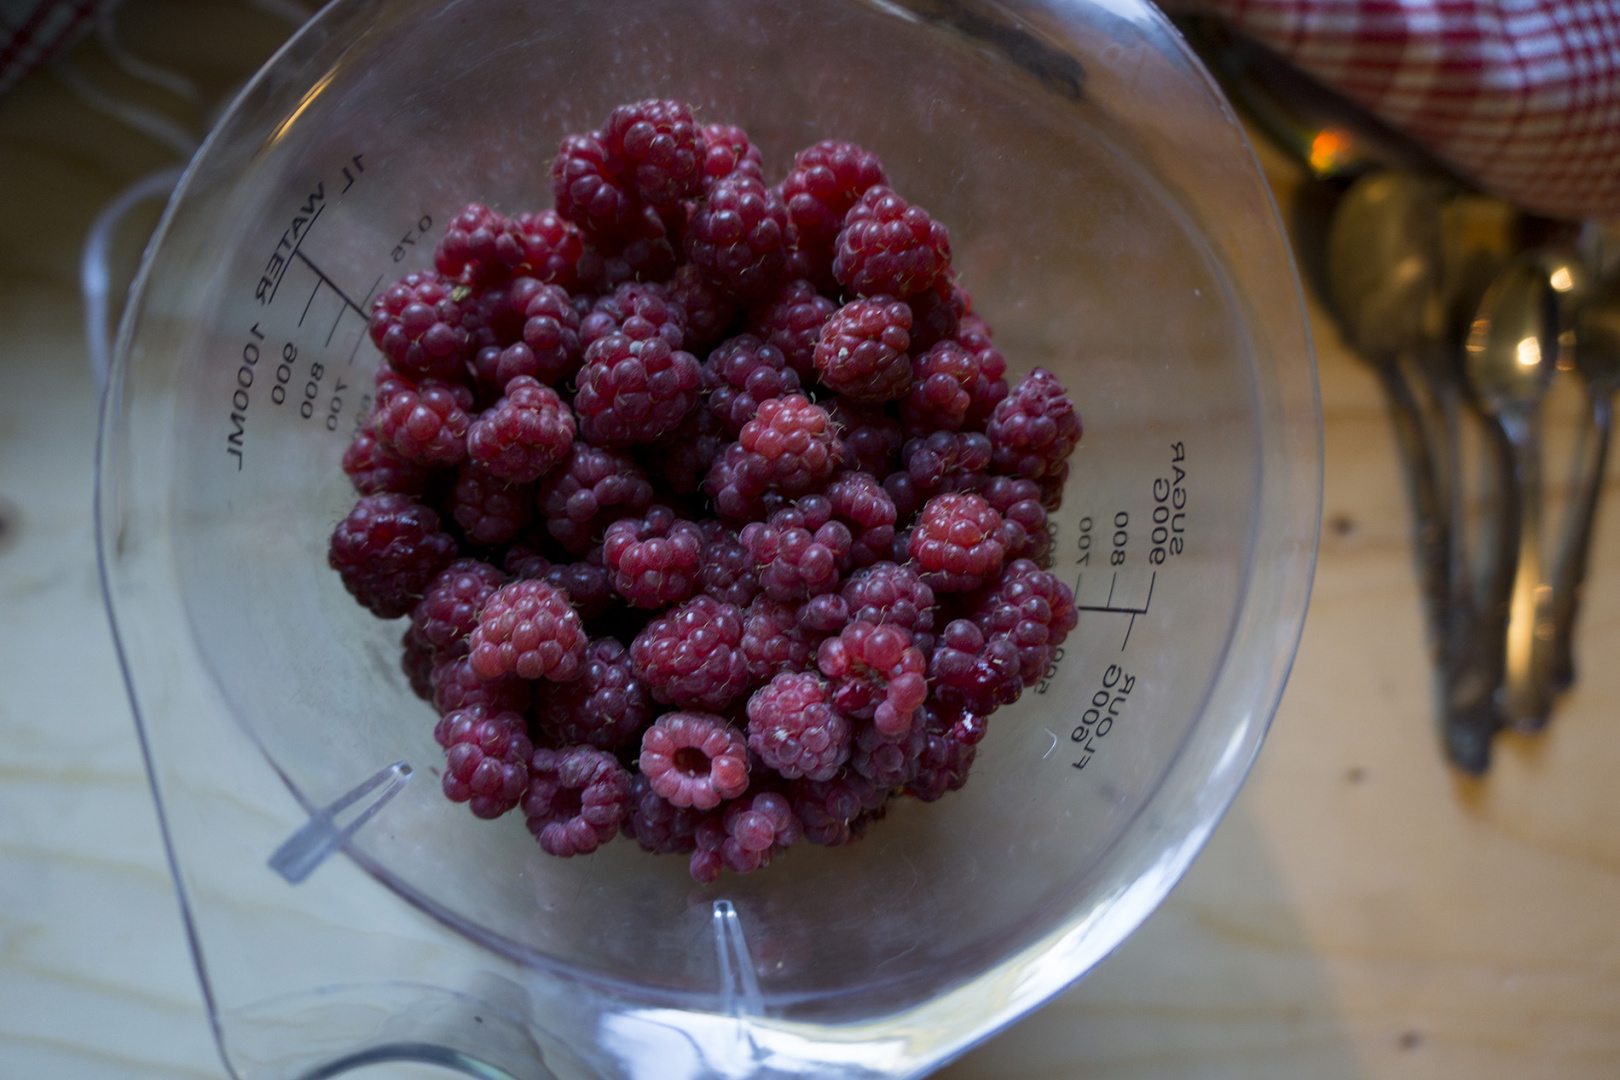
(972, 671)
(794, 728)
(862, 350)
(576, 800)
(657, 824)
(549, 350)
(456, 686)
(387, 550)
(639, 311)
(825, 181)
(425, 423)
(944, 380)
(489, 510)
(729, 573)
(448, 610)
(588, 191)
(524, 435)
(740, 373)
(1023, 518)
(876, 673)
(633, 391)
(947, 460)
(1034, 610)
(528, 628)
(888, 593)
(374, 468)
(860, 502)
(773, 640)
(606, 707)
(692, 656)
(791, 321)
(486, 757)
(592, 489)
(694, 759)
(872, 438)
(662, 148)
(709, 313)
(1035, 429)
(727, 150)
(798, 549)
(738, 237)
(418, 326)
(830, 809)
(889, 247)
(654, 560)
(956, 542)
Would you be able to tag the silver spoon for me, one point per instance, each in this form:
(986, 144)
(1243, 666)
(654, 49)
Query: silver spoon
(1510, 357)
(1597, 360)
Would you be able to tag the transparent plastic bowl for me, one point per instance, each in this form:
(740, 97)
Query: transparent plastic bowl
(1110, 222)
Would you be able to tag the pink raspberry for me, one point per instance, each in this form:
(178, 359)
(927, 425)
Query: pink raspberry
(738, 237)
(1035, 429)
(457, 686)
(791, 321)
(862, 353)
(972, 671)
(825, 181)
(876, 673)
(387, 551)
(418, 326)
(888, 247)
(593, 488)
(832, 810)
(655, 560)
(373, 467)
(694, 759)
(794, 728)
(860, 502)
(549, 350)
(729, 573)
(587, 190)
(486, 756)
(657, 824)
(797, 442)
(448, 610)
(822, 615)
(662, 148)
(888, 593)
(577, 798)
(727, 150)
(634, 391)
(798, 553)
(425, 423)
(606, 707)
(773, 641)
(638, 311)
(740, 373)
(709, 312)
(945, 380)
(872, 438)
(525, 435)
(1034, 610)
(692, 656)
(956, 542)
(751, 830)
(490, 510)
(528, 628)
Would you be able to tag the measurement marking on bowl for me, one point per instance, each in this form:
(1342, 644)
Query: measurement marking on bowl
(1119, 609)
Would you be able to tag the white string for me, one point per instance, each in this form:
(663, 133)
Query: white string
(94, 278)
(132, 65)
(148, 122)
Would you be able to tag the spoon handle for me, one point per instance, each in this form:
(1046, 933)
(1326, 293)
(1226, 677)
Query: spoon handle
(1525, 695)
(1570, 575)
(1429, 517)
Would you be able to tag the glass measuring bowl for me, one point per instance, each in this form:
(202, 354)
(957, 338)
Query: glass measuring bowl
(1110, 222)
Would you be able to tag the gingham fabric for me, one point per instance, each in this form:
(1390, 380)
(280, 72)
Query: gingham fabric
(30, 30)
(1521, 96)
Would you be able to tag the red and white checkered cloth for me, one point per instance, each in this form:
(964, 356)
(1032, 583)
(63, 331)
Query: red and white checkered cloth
(1521, 96)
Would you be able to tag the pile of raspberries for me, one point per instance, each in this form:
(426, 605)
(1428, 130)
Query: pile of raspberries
(715, 519)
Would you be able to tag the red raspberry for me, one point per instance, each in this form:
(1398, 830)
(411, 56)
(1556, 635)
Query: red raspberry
(796, 440)
(528, 628)
(974, 672)
(634, 391)
(493, 315)
(490, 510)
(448, 611)
(576, 800)
(727, 150)
(794, 728)
(654, 560)
(936, 314)
(890, 762)
(798, 550)
(606, 707)
(387, 551)
(424, 423)
(860, 502)
(729, 573)
(709, 313)
(750, 831)
(456, 686)
(586, 582)
(662, 148)
(831, 809)
(872, 438)
(592, 489)
(374, 468)
(683, 458)
(694, 759)
(657, 824)
(953, 736)
(944, 380)
(773, 640)
(486, 757)
(1034, 610)
(888, 247)
(587, 190)
(991, 388)
(417, 662)
(467, 251)
(644, 250)
(638, 311)
(902, 491)
(525, 435)
(822, 615)
(740, 373)
(738, 237)
(791, 321)
(889, 593)
(738, 483)
(1035, 429)
(550, 246)
(862, 351)
(692, 657)
(1023, 518)
(825, 181)
(418, 326)
(956, 542)
(550, 349)
(877, 673)
(946, 459)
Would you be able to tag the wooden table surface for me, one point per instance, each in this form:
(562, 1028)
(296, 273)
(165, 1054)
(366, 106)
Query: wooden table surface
(1362, 912)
